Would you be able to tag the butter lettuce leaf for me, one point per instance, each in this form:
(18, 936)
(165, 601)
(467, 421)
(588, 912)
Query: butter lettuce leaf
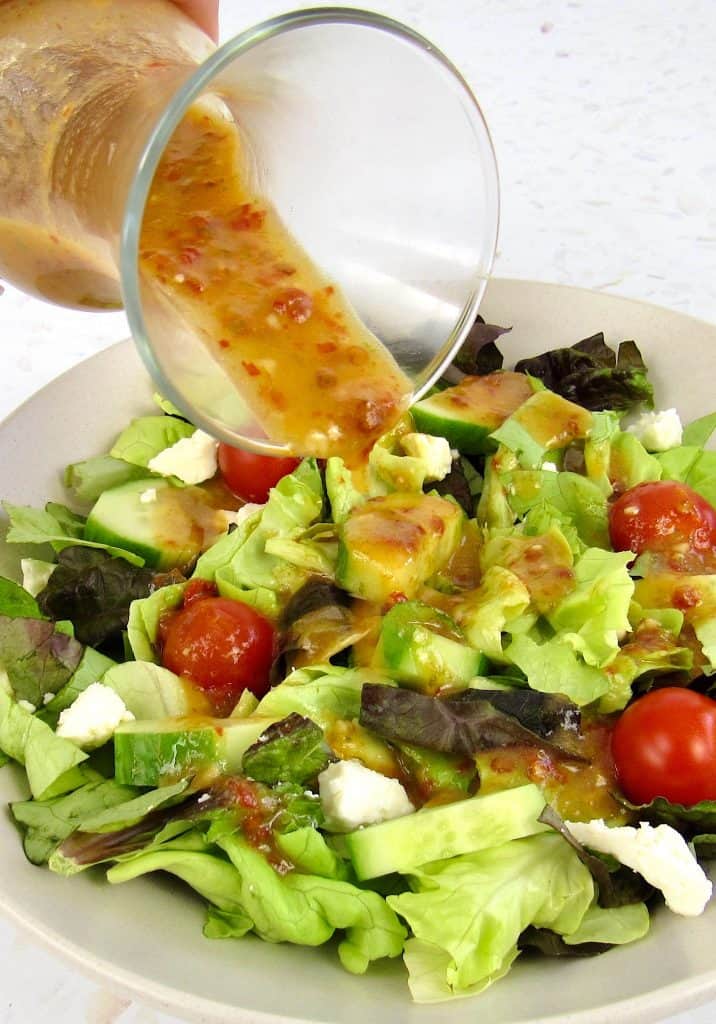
(48, 822)
(146, 436)
(16, 602)
(580, 500)
(89, 479)
(91, 669)
(693, 466)
(144, 616)
(39, 526)
(486, 613)
(554, 667)
(475, 907)
(242, 565)
(307, 909)
(699, 431)
(51, 762)
(594, 616)
(322, 693)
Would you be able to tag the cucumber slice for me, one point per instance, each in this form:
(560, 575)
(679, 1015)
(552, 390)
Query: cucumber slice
(169, 530)
(156, 753)
(468, 413)
(436, 833)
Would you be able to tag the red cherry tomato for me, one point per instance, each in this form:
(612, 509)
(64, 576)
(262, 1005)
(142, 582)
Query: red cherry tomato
(661, 516)
(223, 646)
(252, 476)
(664, 744)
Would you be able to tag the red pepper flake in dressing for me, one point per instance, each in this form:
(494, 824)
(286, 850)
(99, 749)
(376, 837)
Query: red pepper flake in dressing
(247, 218)
(251, 368)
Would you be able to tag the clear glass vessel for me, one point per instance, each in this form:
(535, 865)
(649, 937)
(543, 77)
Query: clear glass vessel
(364, 137)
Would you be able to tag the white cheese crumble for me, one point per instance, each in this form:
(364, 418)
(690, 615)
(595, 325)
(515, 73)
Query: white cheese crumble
(433, 451)
(658, 431)
(192, 459)
(93, 717)
(48, 697)
(148, 496)
(353, 795)
(660, 855)
(27, 706)
(552, 467)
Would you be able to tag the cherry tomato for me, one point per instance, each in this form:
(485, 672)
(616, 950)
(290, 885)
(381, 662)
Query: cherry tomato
(661, 516)
(664, 744)
(252, 476)
(223, 646)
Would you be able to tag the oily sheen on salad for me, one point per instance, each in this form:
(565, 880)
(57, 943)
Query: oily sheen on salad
(454, 705)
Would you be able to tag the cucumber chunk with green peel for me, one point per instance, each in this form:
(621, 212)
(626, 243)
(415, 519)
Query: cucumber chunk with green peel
(391, 545)
(467, 413)
(423, 648)
(156, 753)
(168, 526)
(436, 833)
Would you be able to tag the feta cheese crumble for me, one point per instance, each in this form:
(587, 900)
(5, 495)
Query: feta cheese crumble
(27, 706)
(148, 496)
(433, 451)
(93, 717)
(192, 459)
(658, 431)
(660, 855)
(551, 467)
(353, 795)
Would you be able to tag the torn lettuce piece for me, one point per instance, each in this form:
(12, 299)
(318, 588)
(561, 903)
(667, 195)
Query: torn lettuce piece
(574, 496)
(342, 493)
(650, 650)
(323, 693)
(241, 564)
(52, 763)
(593, 375)
(699, 431)
(94, 591)
(471, 722)
(291, 750)
(35, 574)
(554, 667)
(36, 657)
(306, 909)
(212, 877)
(493, 509)
(487, 612)
(40, 526)
(16, 602)
(48, 822)
(693, 466)
(542, 561)
(615, 926)
(630, 463)
(89, 479)
(309, 853)
(91, 669)
(147, 436)
(144, 616)
(475, 907)
(595, 615)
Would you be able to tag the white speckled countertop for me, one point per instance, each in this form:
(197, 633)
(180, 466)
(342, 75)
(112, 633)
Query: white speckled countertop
(601, 113)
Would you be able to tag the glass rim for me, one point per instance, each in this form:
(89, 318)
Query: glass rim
(191, 90)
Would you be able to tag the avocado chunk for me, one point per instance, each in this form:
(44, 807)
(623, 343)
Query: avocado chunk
(467, 413)
(436, 833)
(168, 526)
(423, 648)
(544, 423)
(391, 545)
(155, 753)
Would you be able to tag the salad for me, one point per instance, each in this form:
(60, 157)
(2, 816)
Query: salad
(454, 705)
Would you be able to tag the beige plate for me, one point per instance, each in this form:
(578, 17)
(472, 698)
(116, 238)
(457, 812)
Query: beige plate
(145, 937)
